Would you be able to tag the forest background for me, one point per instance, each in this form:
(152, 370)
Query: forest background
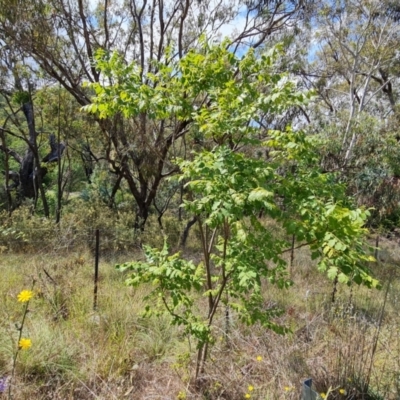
(202, 127)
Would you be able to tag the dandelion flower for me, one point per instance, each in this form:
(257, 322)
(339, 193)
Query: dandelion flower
(342, 391)
(247, 396)
(287, 388)
(25, 344)
(25, 296)
(250, 388)
(323, 396)
(259, 358)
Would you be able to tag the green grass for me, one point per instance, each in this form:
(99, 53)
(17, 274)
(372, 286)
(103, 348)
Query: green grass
(115, 353)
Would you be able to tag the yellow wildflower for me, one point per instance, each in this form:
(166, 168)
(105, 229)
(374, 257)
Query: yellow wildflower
(25, 296)
(323, 396)
(247, 396)
(25, 344)
(259, 358)
(287, 388)
(250, 388)
(342, 391)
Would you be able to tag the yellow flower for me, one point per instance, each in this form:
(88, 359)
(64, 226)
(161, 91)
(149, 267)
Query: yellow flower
(250, 388)
(25, 296)
(24, 344)
(342, 391)
(259, 358)
(287, 388)
(323, 396)
(247, 396)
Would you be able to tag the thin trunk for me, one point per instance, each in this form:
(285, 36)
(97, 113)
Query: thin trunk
(6, 172)
(206, 255)
(185, 232)
(59, 172)
(292, 256)
(114, 191)
(334, 290)
(377, 247)
(31, 172)
(180, 203)
(201, 360)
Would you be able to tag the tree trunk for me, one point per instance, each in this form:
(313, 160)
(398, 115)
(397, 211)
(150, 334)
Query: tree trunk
(31, 173)
(142, 214)
(6, 173)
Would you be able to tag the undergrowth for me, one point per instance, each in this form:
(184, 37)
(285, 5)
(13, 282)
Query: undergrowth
(350, 348)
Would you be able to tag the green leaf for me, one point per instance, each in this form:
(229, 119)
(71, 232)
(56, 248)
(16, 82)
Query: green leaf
(259, 194)
(332, 272)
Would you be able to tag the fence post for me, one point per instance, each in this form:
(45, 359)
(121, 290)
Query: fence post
(96, 269)
(307, 393)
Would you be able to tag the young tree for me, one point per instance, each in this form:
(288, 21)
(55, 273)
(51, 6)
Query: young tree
(229, 186)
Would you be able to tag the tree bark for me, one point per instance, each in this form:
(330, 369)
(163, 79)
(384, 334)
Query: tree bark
(31, 173)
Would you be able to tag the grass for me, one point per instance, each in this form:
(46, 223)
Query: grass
(352, 345)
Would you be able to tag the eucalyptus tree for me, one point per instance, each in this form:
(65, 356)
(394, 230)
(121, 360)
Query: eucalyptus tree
(353, 65)
(362, 45)
(63, 36)
(17, 95)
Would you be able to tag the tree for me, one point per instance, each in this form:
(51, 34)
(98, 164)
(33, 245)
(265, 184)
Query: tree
(353, 67)
(361, 44)
(229, 186)
(62, 38)
(29, 178)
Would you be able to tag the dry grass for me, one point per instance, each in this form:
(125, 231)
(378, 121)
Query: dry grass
(353, 344)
